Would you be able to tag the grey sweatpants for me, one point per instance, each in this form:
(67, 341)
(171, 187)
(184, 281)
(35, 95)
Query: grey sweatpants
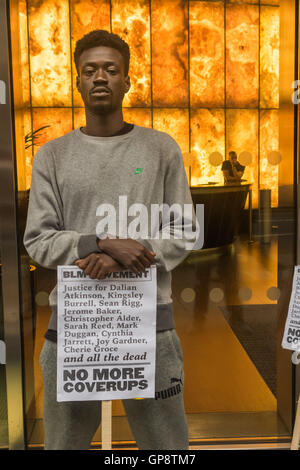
(157, 423)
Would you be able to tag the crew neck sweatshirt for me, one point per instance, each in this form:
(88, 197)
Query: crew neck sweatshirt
(127, 127)
(75, 174)
(50, 334)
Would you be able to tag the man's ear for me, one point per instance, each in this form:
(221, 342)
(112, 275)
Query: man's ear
(127, 84)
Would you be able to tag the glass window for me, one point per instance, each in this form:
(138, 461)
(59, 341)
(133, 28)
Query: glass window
(225, 97)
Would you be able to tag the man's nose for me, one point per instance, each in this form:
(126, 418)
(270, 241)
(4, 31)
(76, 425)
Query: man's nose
(100, 76)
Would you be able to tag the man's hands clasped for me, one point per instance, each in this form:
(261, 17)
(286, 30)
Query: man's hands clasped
(117, 255)
(128, 252)
(98, 265)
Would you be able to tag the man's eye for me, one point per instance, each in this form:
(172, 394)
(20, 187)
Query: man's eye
(88, 71)
(113, 71)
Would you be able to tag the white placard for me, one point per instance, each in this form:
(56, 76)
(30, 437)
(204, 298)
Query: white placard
(106, 335)
(291, 337)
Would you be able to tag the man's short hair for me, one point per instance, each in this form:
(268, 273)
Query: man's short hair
(232, 153)
(100, 37)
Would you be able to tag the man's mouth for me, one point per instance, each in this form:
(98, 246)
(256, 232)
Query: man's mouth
(100, 92)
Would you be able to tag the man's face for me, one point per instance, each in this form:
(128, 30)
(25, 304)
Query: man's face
(101, 81)
(233, 158)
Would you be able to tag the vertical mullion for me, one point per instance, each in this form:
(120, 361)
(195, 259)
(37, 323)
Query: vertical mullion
(258, 119)
(10, 252)
(71, 64)
(150, 17)
(29, 70)
(225, 103)
(110, 19)
(189, 79)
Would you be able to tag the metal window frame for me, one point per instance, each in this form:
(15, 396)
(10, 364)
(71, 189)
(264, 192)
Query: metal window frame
(297, 183)
(9, 245)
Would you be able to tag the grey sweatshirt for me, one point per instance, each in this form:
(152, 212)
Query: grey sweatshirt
(74, 174)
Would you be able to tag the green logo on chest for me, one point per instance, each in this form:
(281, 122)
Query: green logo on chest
(137, 171)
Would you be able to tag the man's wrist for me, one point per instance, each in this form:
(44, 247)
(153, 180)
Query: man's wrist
(103, 243)
(100, 244)
(102, 240)
(86, 245)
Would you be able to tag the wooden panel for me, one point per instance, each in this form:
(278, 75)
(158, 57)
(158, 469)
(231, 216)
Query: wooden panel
(269, 141)
(29, 150)
(49, 43)
(138, 116)
(271, 2)
(59, 121)
(207, 80)
(269, 57)
(242, 136)
(169, 53)
(176, 123)
(131, 21)
(242, 33)
(207, 136)
(24, 52)
(79, 117)
(255, 2)
(86, 16)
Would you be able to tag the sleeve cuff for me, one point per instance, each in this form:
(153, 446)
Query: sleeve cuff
(87, 244)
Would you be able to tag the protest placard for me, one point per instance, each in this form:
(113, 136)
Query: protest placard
(291, 337)
(106, 335)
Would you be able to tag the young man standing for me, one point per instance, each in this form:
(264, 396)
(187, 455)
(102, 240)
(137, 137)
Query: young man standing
(72, 176)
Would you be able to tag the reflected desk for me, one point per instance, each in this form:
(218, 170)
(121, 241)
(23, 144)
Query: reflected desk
(223, 205)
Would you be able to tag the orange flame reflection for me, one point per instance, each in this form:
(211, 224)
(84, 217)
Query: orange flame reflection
(49, 47)
(170, 53)
(165, 38)
(130, 20)
(206, 54)
(86, 15)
